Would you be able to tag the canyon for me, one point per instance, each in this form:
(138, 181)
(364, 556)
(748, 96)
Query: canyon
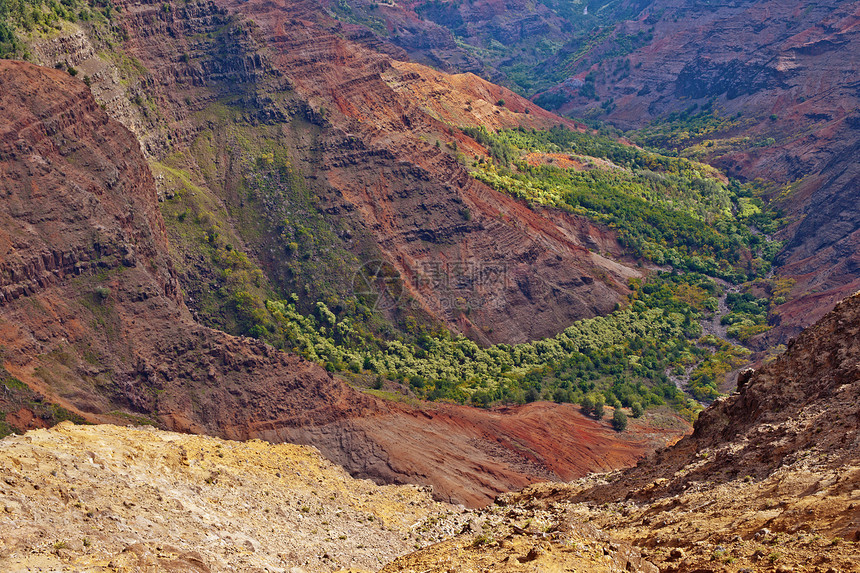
(170, 169)
(93, 322)
(763, 90)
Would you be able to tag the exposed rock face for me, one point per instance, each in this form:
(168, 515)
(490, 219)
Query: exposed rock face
(789, 69)
(471, 455)
(496, 39)
(373, 138)
(823, 251)
(766, 482)
(427, 31)
(79, 498)
(91, 318)
(769, 475)
(54, 225)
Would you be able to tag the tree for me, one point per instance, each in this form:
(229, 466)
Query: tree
(587, 404)
(619, 420)
(598, 406)
(636, 409)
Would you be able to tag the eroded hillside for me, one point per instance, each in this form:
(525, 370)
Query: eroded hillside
(144, 499)
(362, 164)
(767, 482)
(92, 321)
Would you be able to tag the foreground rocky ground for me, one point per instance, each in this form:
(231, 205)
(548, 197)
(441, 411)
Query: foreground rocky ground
(109, 498)
(768, 481)
(93, 498)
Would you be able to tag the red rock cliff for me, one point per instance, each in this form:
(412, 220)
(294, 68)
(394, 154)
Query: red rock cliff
(90, 317)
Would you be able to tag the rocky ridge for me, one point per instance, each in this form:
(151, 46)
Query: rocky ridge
(768, 481)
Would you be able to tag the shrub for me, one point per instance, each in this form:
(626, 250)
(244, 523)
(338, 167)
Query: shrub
(619, 420)
(587, 404)
(598, 407)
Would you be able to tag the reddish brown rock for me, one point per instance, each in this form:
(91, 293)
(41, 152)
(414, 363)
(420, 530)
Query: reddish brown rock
(92, 319)
(470, 455)
(780, 70)
(377, 142)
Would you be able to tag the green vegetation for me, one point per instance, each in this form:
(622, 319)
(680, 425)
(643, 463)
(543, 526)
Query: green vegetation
(577, 54)
(617, 360)
(678, 209)
(231, 288)
(669, 210)
(678, 129)
(749, 309)
(619, 420)
(499, 150)
(24, 17)
(707, 375)
(748, 315)
(592, 405)
(529, 62)
(695, 133)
